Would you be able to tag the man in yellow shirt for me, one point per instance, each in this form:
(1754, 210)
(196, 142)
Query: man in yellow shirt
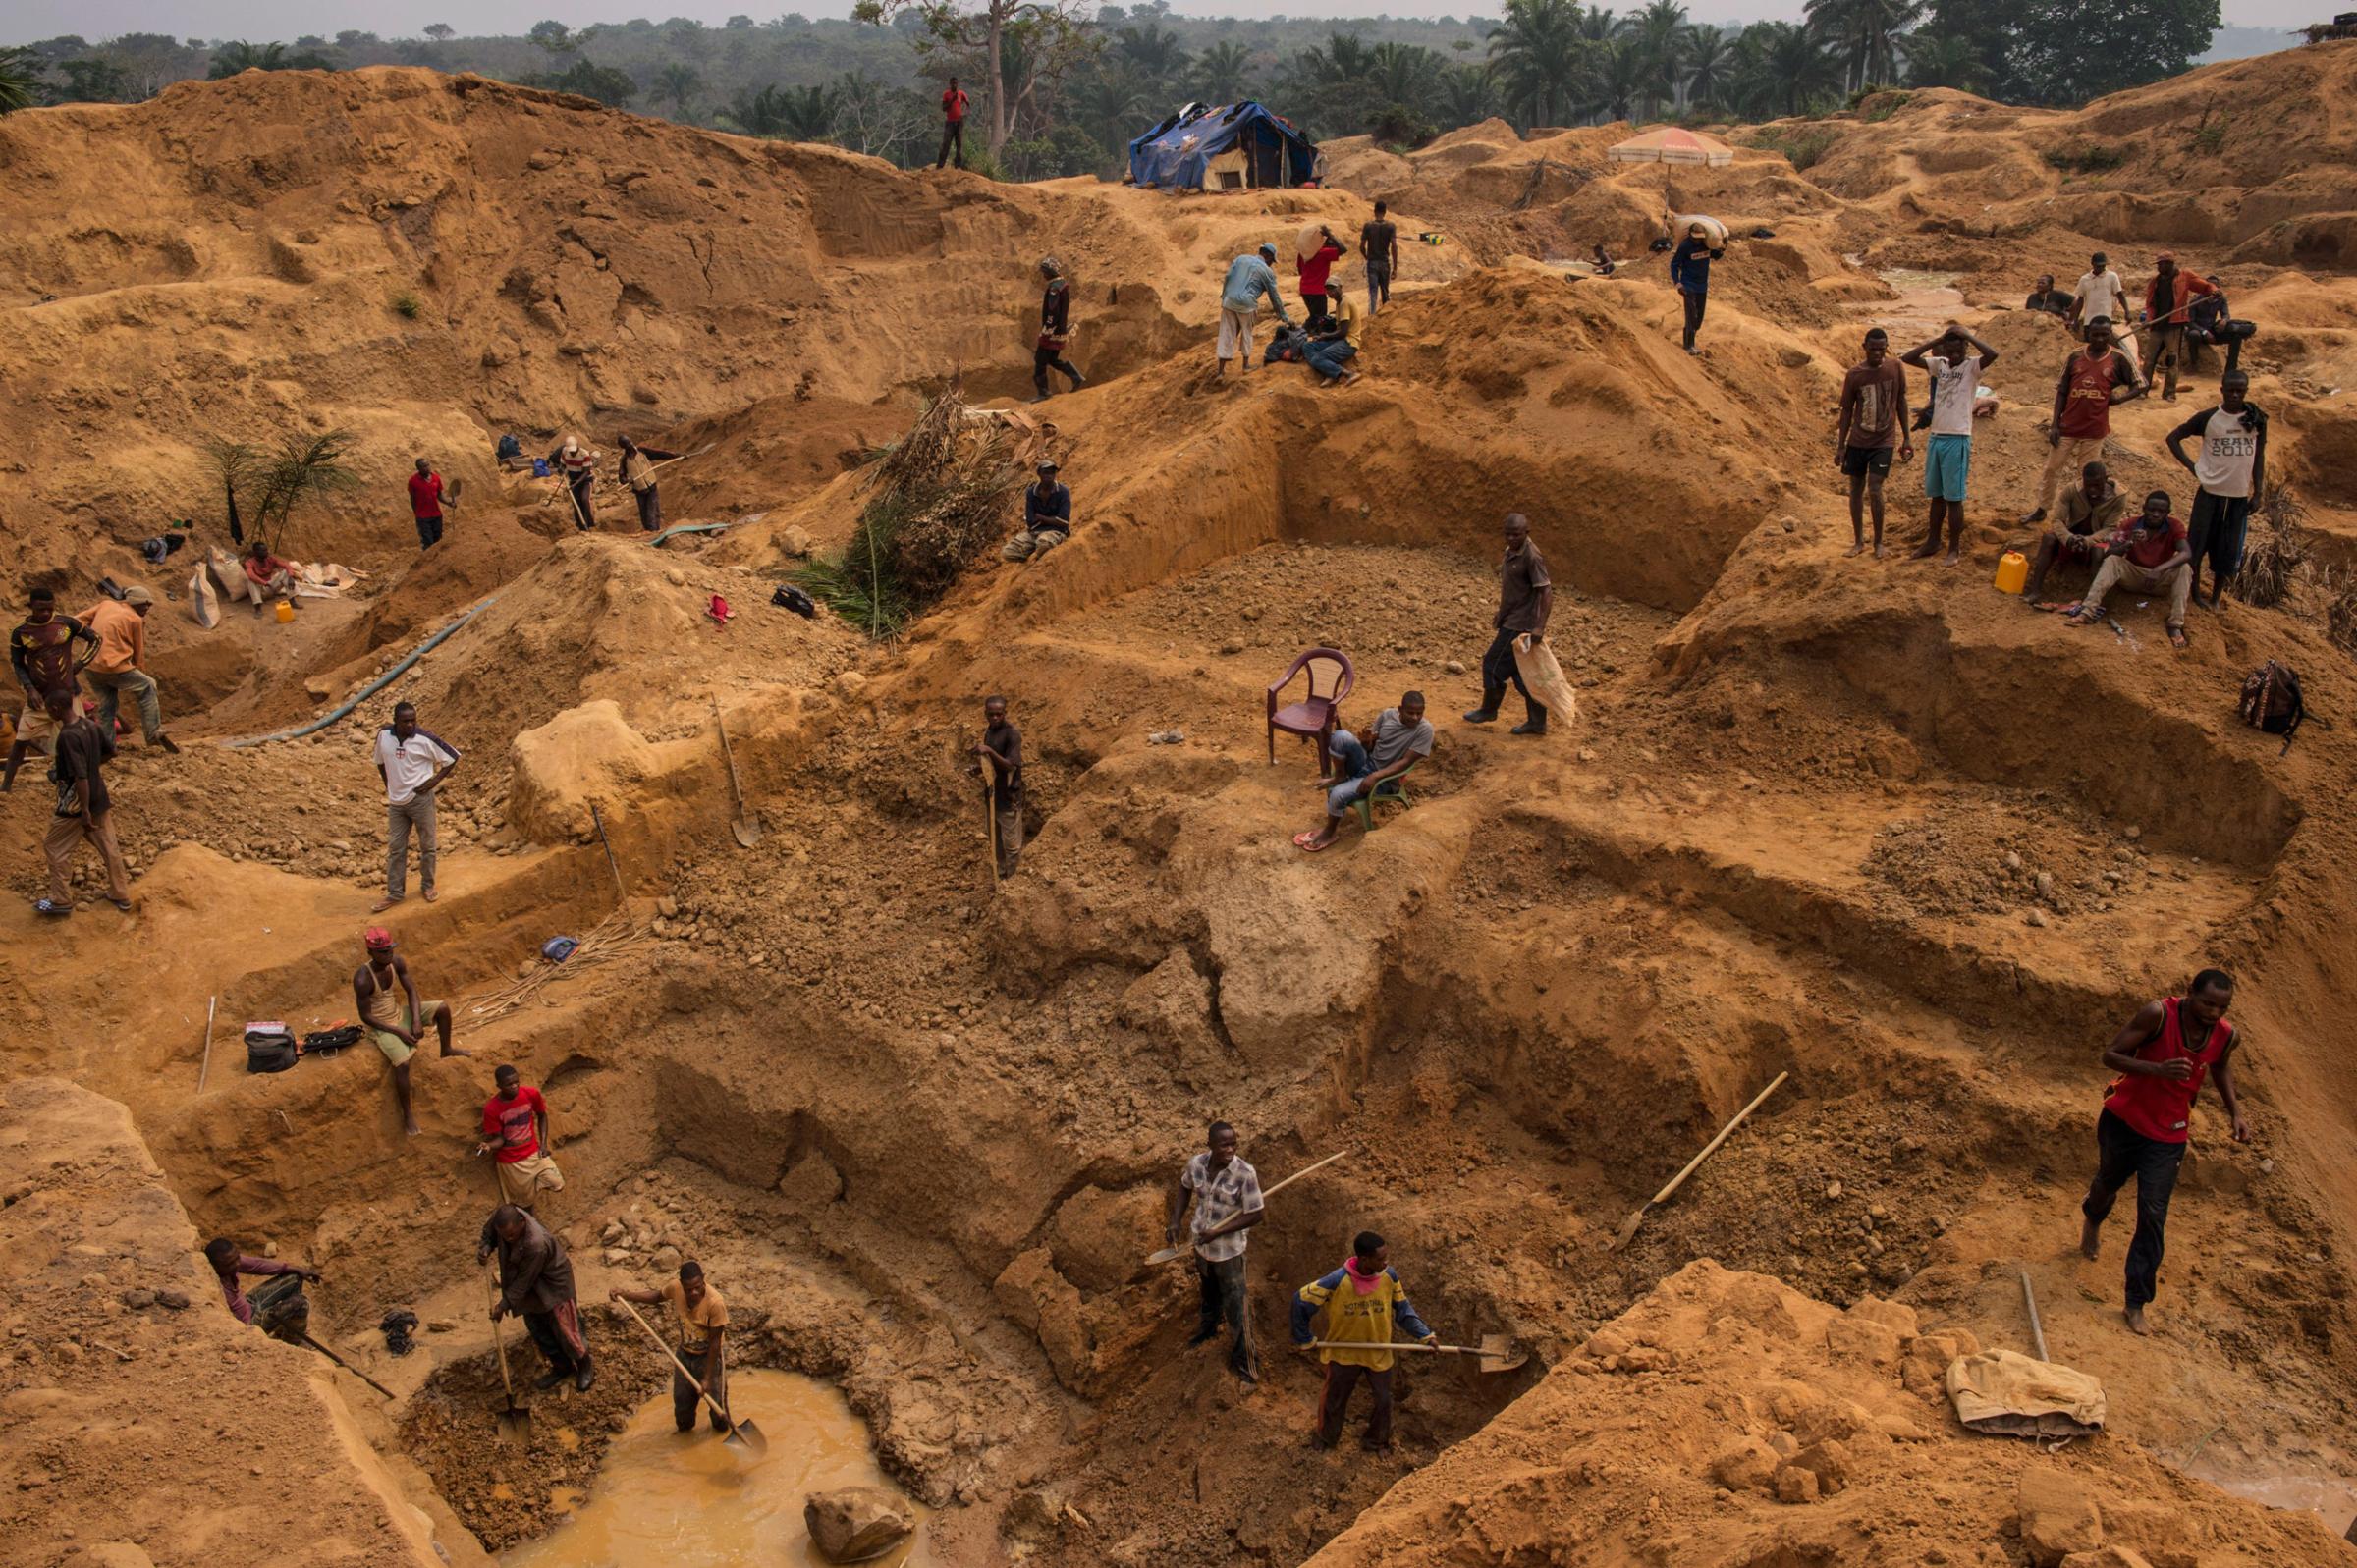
(703, 1322)
(1365, 1310)
(121, 662)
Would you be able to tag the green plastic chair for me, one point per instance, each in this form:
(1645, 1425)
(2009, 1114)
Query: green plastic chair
(1391, 793)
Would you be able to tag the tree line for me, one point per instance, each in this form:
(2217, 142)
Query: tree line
(1060, 88)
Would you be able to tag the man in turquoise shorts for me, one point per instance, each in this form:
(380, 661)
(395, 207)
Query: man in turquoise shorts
(1956, 361)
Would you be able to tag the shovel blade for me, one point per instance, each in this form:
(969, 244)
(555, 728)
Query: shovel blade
(748, 1436)
(1165, 1255)
(512, 1427)
(1499, 1354)
(1628, 1228)
(748, 832)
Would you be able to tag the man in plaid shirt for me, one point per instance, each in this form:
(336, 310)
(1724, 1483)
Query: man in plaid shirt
(1227, 1197)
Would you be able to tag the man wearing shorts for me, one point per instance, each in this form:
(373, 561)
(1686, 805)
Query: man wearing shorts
(516, 1128)
(1248, 278)
(2093, 378)
(394, 1017)
(42, 654)
(2230, 470)
(2090, 515)
(1956, 361)
(1873, 424)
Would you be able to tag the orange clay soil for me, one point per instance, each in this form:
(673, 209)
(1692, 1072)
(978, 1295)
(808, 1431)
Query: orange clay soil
(1865, 822)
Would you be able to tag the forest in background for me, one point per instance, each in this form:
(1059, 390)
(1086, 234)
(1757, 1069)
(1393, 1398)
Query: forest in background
(1075, 81)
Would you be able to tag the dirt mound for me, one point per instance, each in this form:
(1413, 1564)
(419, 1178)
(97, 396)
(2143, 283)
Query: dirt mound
(1729, 1419)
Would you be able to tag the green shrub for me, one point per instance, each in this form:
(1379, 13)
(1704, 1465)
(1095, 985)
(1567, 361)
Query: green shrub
(408, 305)
(2085, 157)
(1802, 150)
(2211, 137)
(1880, 105)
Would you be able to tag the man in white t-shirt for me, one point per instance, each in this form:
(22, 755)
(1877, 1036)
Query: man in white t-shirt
(412, 762)
(2230, 471)
(1955, 360)
(2100, 293)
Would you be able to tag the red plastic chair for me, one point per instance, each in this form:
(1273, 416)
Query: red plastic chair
(1330, 679)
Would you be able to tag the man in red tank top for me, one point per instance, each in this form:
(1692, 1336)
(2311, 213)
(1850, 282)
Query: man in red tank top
(2160, 1055)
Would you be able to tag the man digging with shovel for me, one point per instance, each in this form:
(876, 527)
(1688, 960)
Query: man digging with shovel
(1366, 1311)
(535, 1282)
(703, 1320)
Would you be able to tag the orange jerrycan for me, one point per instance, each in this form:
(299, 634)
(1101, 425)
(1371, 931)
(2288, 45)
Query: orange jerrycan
(2012, 571)
(286, 612)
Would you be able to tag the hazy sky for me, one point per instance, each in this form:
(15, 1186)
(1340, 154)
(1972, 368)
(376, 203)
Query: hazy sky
(21, 20)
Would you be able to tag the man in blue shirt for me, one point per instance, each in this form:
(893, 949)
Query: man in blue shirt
(1047, 517)
(1690, 271)
(1248, 278)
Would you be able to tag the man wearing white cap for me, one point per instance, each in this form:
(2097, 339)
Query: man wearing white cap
(579, 469)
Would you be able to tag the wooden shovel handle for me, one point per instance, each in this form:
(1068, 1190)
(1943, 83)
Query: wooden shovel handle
(664, 1345)
(1679, 1180)
(1266, 1193)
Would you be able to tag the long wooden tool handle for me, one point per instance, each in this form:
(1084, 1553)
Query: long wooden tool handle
(620, 890)
(1266, 1193)
(1362, 1344)
(206, 1066)
(2029, 1299)
(348, 1366)
(990, 811)
(664, 1345)
(723, 725)
(499, 1336)
(1679, 1179)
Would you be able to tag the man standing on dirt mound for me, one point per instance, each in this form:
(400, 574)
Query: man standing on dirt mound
(425, 504)
(1956, 371)
(1367, 1311)
(2160, 1055)
(2167, 302)
(394, 1017)
(639, 466)
(1525, 599)
(536, 1283)
(953, 123)
(1873, 423)
(412, 763)
(42, 654)
(2232, 470)
(1248, 278)
(516, 1128)
(1379, 244)
(1055, 329)
(2093, 378)
(84, 811)
(1691, 273)
(1227, 1195)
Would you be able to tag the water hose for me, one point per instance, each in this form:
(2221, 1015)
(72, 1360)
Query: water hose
(368, 690)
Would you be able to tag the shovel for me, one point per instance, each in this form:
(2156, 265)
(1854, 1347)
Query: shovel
(746, 829)
(1496, 1352)
(741, 1433)
(1628, 1227)
(513, 1421)
(990, 813)
(1169, 1254)
(348, 1366)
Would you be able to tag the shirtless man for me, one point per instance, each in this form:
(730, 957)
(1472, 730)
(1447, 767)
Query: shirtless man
(392, 1022)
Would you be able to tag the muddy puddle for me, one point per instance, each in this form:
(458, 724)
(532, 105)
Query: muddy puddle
(2331, 1497)
(662, 1500)
(1927, 301)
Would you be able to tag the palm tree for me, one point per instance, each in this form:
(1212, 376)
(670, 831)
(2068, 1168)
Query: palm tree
(1220, 72)
(1621, 77)
(1709, 64)
(1789, 65)
(1157, 52)
(1866, 32)
(1942, 60)
(757, 114)
(1110, 102)
(19, 75)
(1538, 50)
(1660, 35)
(307, 468)
(232, 58)
(1468, 93)
(1596, 24)
(808, 113)
(678, 82)
(1407, 75)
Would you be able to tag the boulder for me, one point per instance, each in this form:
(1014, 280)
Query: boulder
(2058, 1517)
(1863, 1339)
(1101, 1236)
(812, 1181)
(1795, 1485)
(857, 1523)
(582, 757)
(1747, 1464)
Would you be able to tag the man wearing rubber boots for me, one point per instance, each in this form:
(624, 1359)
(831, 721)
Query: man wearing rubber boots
(536, 1283)
(1525, 599)
(2160, 1055)
(703, 1324)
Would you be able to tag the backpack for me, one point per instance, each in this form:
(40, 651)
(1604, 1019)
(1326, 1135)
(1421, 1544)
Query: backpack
(789, 597)
(327, 1041)
(269, 1048)
(2271, 702)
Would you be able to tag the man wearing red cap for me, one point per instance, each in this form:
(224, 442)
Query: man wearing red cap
(395, 1021)
(2174, 289)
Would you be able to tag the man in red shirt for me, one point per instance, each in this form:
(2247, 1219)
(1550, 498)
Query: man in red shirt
(2166, 303)
(425, 504)
(953, 123)
(2160, 1055)
(1311, 270)
(2150, 556)
(516, 1128)
(2093, 378)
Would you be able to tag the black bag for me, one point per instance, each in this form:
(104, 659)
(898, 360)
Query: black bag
(327, 1041)
(789, 597)
(269, 1048)
(2271, 702)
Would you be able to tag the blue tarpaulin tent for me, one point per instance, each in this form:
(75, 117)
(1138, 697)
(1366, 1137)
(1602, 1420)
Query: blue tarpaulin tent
(1234, 145)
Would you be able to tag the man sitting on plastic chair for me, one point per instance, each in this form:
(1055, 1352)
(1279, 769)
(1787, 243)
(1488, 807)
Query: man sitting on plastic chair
(1363, 771)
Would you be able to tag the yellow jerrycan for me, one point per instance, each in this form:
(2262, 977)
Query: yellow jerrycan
(286, 610)
(2012, 571)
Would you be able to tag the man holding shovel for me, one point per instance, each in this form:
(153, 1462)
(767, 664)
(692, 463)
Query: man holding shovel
(1001, 748)
(536, 1283)
(1364, 1305)
(1227, 1196)
(703, 1320)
